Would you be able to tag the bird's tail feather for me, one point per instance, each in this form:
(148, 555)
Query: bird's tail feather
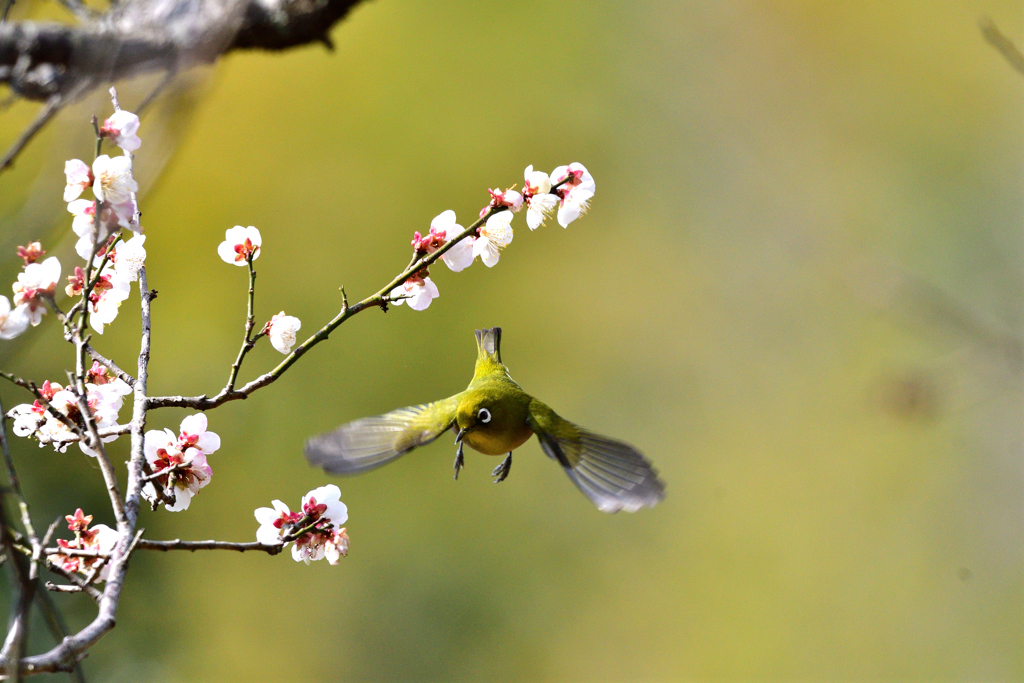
(488, 345)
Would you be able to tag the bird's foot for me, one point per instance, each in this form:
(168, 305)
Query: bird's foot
(460, 462)
(502, 470)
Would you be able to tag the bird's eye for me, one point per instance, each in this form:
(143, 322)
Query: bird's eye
(484, 415)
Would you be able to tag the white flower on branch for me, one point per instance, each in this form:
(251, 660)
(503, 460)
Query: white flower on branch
(109, 290)
(239, 244)
(193, 434)
(34, 285)
(28, 418)
(180, 461)
(100, 539)
(509, 198)
(575, 193)
(419, 290)
(320, 518)
(12, 321)
(336, 546)
(128, 257)
(111, 219)
(79, 177)
(444, 229)
(281, 329)
(539, 202)
(182, 473)
(113, 182)
(121, 128)
(495, 235)
(100, 375)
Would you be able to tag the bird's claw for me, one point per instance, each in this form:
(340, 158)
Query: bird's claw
(459, 462)
(501, 471)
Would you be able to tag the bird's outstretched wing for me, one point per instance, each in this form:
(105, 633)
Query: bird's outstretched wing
(612, 474)
(368, 443)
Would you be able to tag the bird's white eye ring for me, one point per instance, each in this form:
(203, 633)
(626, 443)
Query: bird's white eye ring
(484, 415)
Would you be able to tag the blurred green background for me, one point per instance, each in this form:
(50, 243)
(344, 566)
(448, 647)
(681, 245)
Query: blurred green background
(798, 291)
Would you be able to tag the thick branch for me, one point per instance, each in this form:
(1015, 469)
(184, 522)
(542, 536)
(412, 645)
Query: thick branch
(137, 37)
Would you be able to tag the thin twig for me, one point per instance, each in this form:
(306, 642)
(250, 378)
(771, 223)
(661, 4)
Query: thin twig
(178, 544)
(250, 322)
(379, 299)
(91, 591)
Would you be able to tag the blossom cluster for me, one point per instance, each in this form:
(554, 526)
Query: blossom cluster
(315, 527)
(99, 540)
(104, 395)
(569, 188)
(177, 462)
(97, 223)
(113, 187)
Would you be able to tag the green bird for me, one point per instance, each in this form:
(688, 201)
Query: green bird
(495, 416)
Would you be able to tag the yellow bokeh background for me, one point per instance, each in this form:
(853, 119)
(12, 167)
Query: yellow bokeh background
(798, 290)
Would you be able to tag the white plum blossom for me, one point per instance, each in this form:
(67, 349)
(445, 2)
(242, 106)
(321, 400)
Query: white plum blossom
(110, 289)
(539, 202)
(281, 329)
(459, 257)
(12, 321)
(105, 303)
(28, 418)
(444, 229)
(418, 291)
(122, 128)
(79, 177)
(183, 473)
(540, 208)
(336, 546)
(272, 522)
(239, 243)
(84, 224)
(508, 198)
(321, 515)
(575, 193)
(535, 182)
(193, 434)
(495, 235)
(180, 461)
(113, 182)
(129, 257)
(36, 283)
(100, 538)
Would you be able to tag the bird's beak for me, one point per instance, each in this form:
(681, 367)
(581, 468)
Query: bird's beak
(458, 437)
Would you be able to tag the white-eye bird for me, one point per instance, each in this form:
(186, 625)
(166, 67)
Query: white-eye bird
(495, 416)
